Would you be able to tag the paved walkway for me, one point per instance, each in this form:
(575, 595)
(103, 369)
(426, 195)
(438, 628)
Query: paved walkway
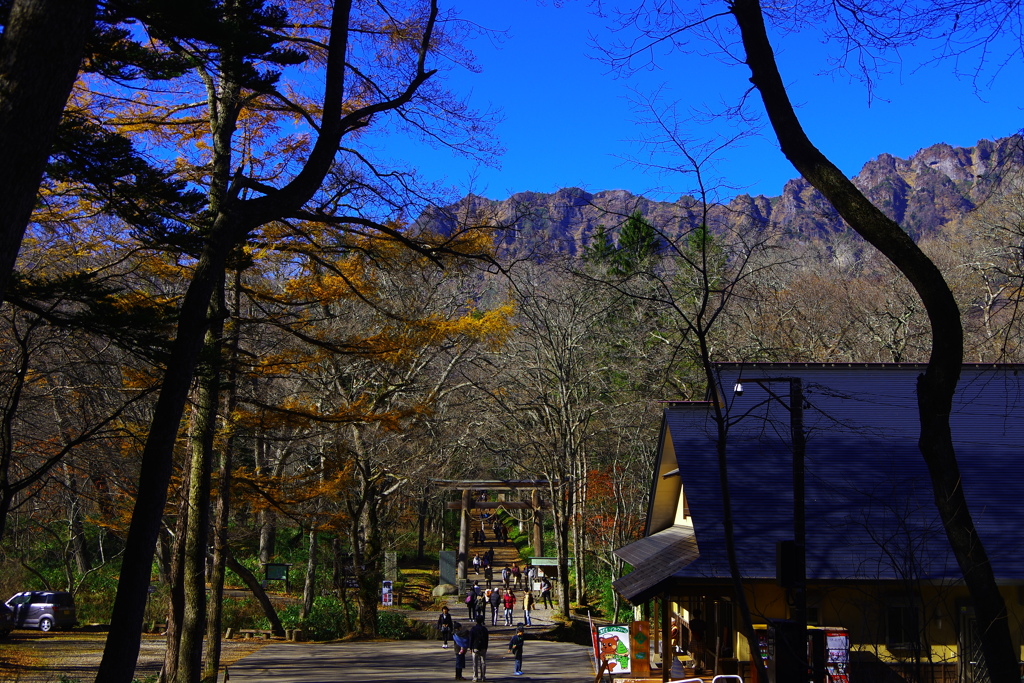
(415, 661)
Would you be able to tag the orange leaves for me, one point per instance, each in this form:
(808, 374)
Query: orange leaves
(491, 328)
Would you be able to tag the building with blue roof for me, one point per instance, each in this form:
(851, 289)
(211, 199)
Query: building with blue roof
(878, 564)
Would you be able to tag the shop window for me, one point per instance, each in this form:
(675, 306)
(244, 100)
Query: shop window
(902, 626)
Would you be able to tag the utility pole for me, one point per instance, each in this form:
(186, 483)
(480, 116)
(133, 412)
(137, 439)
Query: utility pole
(793, 556)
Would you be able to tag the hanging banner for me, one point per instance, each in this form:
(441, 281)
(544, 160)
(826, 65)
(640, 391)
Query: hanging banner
(613, 647)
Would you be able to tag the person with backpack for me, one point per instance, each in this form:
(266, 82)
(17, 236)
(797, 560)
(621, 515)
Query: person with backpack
(481, 605)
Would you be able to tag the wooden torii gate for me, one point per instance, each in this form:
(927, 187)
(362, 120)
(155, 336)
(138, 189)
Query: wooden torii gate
(469, 502)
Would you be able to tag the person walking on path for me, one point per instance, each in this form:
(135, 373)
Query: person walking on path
(471, 603)
(545, 592)
(516, 575)
(481, 605)
(506, 574)
(495, 601)
(489, 575)
(444, 625)
(461, 639)
(528, 604)
(515, 648)
(510, 604)
(478, 637)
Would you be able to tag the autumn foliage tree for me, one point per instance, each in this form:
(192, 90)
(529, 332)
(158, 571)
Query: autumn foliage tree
(237, 150)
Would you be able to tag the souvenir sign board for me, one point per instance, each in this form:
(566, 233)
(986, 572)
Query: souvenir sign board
(387, 598)
(613, 646)
(640, 649)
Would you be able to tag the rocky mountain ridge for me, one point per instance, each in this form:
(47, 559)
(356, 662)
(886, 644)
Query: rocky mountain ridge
(933, 187)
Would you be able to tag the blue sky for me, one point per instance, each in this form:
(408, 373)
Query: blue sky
(569, 122)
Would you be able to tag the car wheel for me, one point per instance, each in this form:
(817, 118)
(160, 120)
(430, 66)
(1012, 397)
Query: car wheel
(46, 624)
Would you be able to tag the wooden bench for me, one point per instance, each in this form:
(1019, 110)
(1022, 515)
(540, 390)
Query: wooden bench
(255, 633)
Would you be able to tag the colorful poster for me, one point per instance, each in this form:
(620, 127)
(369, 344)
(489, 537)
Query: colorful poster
(386, 595)
(613, 647)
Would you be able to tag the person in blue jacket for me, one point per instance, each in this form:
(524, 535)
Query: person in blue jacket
(461, 639)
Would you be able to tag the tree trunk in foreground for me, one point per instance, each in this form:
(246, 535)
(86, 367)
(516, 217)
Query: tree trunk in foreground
(935, 388)
(40, 53)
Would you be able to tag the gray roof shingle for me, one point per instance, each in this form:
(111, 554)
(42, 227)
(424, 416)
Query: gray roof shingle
(870, 509)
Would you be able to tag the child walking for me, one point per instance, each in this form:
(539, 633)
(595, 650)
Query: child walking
(515, 648)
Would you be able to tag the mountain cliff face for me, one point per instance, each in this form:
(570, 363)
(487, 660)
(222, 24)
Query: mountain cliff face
(922, 193)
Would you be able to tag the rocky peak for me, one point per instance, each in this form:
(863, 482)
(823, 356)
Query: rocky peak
(931, 188)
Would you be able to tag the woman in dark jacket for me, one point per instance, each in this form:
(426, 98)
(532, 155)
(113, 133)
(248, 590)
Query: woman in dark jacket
(444, 625)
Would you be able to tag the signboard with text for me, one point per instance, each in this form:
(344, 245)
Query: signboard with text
(613, 646)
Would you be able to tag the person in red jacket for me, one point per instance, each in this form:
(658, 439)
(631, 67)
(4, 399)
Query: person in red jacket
(510, 604)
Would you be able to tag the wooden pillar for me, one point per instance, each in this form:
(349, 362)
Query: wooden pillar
(467, 503)
(668, 654)
(538, 525)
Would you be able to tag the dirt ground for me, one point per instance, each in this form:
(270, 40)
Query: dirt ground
(74, 656)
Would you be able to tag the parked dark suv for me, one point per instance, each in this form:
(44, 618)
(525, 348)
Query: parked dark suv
(45, 610)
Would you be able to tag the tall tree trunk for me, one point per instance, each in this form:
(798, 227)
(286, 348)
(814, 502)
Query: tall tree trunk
(164, 550)
(215, 611)
(560, 517)
(935, 388)
(267, 521)
(176, 584)
(366, 546)
(76, 524)
(214, 616)
(190, 653)
(309, 589)
(41, 51)
(579, 535)
(421, 537)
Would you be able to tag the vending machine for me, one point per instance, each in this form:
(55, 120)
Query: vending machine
(837, 655)
(827, 653)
